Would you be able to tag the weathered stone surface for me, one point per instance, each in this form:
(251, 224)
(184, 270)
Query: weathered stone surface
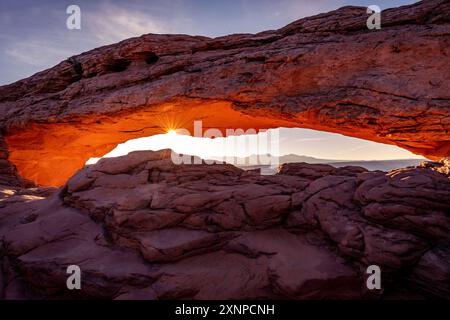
(434, 267)
(141, 227)
(218, 232)
(297, 268)
(327, 72)
(8, 172)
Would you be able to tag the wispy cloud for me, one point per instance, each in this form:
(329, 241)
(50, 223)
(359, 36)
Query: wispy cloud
(113, 23)
(36, 52)
(351, 150)
(310, 139)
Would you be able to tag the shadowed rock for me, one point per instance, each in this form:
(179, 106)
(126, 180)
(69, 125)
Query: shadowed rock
(218, 232)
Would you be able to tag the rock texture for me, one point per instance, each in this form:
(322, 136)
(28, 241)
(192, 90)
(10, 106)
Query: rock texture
(327, 72)
(8, 172)
(141, 227)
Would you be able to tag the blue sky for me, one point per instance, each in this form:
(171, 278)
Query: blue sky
(34, 37)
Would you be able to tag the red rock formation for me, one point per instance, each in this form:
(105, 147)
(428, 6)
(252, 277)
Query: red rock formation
(8, 172)
(327, 72)
(140, 226)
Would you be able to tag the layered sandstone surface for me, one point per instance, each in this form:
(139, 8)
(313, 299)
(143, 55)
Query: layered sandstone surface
(142, 227)
(327, 72)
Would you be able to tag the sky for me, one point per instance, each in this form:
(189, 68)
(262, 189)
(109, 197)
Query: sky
(34, 37)
(282, 141)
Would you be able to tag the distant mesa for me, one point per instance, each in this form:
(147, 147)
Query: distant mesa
(251, 162)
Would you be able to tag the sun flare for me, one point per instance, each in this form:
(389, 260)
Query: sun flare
(171, 132)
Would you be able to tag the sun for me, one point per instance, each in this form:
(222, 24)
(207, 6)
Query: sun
(172, 132)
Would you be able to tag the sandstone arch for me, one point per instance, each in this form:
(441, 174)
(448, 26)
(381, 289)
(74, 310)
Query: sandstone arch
(326, 72)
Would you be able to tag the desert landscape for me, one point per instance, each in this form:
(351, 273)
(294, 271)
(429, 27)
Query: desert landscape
(140, 226)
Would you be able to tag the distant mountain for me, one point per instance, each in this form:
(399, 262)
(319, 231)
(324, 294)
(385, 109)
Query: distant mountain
(292, 158)
(254, 162)
(383, 165)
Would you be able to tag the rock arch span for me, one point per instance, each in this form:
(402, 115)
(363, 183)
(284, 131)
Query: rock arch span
(327, 72)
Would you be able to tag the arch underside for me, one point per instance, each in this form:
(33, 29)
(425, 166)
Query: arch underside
(59, 150)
